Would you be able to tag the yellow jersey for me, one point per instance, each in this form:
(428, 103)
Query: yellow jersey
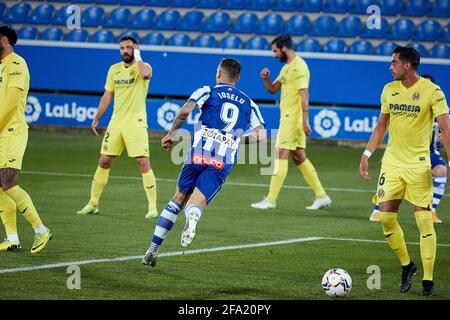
(14, 74)
(130, 93)
(411, 113)
(293, 77)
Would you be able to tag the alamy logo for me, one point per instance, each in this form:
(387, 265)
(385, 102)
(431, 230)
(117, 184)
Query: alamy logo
(166, 114)
(33, 109)
(327, 123)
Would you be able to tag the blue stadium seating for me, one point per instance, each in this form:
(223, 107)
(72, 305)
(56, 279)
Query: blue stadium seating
(440, 51)
(285, 5)
(217, 22)
(428, 30)
(298, 25)
(2, 10)
(419, 47)
(52, 34)
(18, 13)
(232, 4)
(309, 45)
(154, 39)
(386, 48)
(361, 47)
(107, 1)
(324, 26)
(231, 42)
(390, 7)
(337, 6)
(42, 14)
(60, 18)
(349, 27)
(179, 39)
(77, 35)
(415, 8)
(157, 3)
(259, 5)
(192, 21)
(375, 33)
(360, 6)
(439, 8)
(93, 17)
(132, 2)
(312, 5)
(119, 18)
(80, 1)
(257, 43)
(208, 4)
(103, 36)
(245, 23)
(335, 46)
(205, 41)
(143, 19)
(445, 36)
(182, 3)
(132, 34)
(271, 23)
(29, 33)
(402, 29)
(167, 20)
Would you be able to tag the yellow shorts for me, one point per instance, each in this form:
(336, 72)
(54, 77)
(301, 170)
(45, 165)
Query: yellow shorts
(291, 136)
(134, 139)
(12, 149)
(412, 184)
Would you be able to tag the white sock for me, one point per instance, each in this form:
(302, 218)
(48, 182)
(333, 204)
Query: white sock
(14, 238)
(193, 208)
(41, 229)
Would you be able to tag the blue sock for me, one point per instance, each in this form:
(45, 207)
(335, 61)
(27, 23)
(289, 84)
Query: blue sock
(438, 190)
(165, 223)
(376, 207)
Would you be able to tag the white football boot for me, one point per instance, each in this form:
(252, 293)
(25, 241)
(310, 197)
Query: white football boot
(320, 203)
(264, 204)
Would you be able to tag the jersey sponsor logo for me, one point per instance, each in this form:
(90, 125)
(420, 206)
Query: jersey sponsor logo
(33, 109)
(208, 161)
(124, 82)
(16, 73)
(215, 135)
(415, 96)
(327, 123)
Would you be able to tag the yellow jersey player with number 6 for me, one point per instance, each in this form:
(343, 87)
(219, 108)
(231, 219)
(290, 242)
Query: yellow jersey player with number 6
(127, 82)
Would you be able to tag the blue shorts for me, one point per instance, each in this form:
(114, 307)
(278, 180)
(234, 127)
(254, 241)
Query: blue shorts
(207, 179)
(436, 159)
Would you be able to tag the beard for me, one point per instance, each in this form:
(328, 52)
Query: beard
(127, 58)
(283, 57)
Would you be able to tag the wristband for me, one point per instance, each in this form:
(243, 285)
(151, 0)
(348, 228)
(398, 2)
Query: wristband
(137, 55)
(449, 163)
(367, 153)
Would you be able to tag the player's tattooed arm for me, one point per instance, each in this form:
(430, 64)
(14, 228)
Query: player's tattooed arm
(181, 117)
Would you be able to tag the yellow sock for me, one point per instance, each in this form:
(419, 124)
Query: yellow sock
(428, 241)
(8, 213)
(312, 179)
(394, 236)
(276, 182)
(25, 205)
(98, 184)
(149, 182)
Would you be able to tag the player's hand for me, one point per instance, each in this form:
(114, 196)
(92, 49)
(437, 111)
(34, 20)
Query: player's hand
(135, 46)
(265, 73)
(364, 168)
(307, 128)
(167, 141)
(94, 126)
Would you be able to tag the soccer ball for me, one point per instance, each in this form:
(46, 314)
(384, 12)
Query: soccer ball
(336, 282)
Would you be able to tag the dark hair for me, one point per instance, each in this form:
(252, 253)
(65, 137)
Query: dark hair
(125, 38)
(9, 33)
(282, 40)
(428, 76)
(408, 54)
(231, 67)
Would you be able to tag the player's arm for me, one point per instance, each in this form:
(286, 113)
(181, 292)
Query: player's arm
(10, 105)
(102, 106)
(144, 70)
(444, 125)
(270, 87)
(375, 140)
(304, 101)
(181, 117)
(257, 135)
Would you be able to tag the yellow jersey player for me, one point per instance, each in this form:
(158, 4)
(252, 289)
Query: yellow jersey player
(293, 81)
(14, 86)
(127, 82)
(408, 108)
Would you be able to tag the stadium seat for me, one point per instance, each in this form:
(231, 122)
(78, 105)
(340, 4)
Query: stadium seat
(360, 6)
(119, 18)
(337, 6)
(167, 20)
(107, 1)
(80, 1)
(93, 17)
(349, 27)
(154, 39)
(192, 21)
(428, 30)
(18, 13)
(245, 23)
(402, 29)
(416, 8)
(179, 39)
(298, 25)
(257, 43)
(309, 45)
(42, 14)
(440, 51)
(182, 3)
(324, 26)
(217, 22)
(386, 48)
(231, 42)
(312, 6)
(419, 47)
(103, 36)
(77, 35)
(207, 4)
(390, 7)
(335, 46)
(132, 34)
(232, 4)
(2, 10)
(157, 3)
(60, 18)
(439, 8)
(361, 47)
(29, 33)
(271, 23)
(205, 41)
(375, 33)
(445, 36)
(143, 19)
(285, 5)
(52, 34)
(132, 2)
(259, 5)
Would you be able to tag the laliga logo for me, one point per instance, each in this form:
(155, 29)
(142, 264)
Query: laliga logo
(166, 114)
(327, 123)
(33, 109)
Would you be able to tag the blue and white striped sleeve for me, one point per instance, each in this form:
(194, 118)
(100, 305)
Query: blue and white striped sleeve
(200, 95)
(256, 118)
